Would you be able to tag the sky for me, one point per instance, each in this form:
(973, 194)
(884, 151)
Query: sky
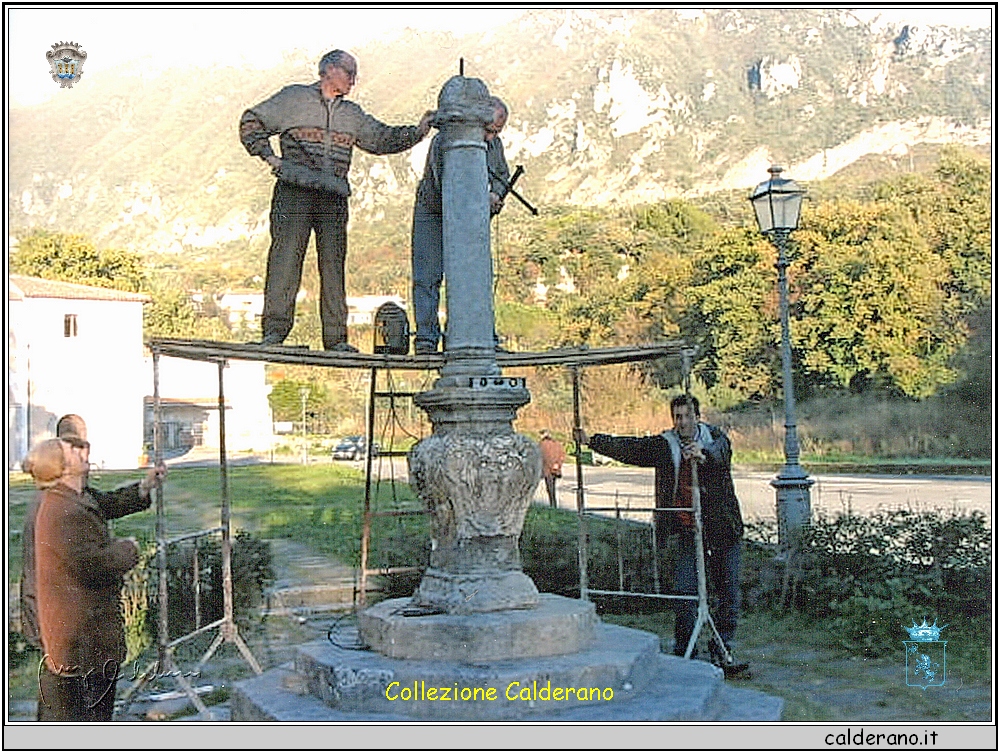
(259, 36)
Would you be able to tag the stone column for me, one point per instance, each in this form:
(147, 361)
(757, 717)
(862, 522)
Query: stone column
(463, 112)
(474, 473)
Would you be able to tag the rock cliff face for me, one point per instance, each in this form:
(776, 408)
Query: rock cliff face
(606, 106)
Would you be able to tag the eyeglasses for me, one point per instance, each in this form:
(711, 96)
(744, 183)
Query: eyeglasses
(80, 444)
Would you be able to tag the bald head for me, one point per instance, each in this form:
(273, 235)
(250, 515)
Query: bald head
(71, 426)
(500, 114)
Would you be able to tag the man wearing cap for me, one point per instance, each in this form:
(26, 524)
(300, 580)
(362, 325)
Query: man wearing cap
(78, 569)
(117, 503)
(318, 130)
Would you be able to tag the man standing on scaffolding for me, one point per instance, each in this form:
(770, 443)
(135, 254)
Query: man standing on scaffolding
(318, 129)
(427, 236)
(673, 454)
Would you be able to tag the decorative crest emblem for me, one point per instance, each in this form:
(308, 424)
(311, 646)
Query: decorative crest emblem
(66, 63)
(925, 655)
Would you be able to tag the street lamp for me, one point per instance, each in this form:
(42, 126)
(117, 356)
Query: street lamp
(304, 394)
(777, 203)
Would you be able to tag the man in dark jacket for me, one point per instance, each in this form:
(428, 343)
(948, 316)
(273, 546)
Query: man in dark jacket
(318, 130)
(427, 240)
(79, 569)
(673, 454)
(113, 504)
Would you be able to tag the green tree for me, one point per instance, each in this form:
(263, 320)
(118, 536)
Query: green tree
(286, 403)
(172, 313)
(872, 300)
(953, 211)
(74, 258)
(732, 316)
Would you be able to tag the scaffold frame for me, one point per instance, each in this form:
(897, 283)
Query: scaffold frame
(573, 358)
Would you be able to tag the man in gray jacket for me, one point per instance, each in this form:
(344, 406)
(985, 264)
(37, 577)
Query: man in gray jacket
(318, 130)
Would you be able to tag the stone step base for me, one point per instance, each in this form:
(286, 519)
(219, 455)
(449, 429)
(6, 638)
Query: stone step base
(557, 625)
(295, 598)
(330, 684)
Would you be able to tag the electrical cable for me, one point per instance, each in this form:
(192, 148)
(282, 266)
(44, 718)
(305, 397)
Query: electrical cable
(358, 644)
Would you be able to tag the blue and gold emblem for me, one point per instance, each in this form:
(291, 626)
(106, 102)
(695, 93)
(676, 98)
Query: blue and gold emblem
(66, 63)
(925, 655)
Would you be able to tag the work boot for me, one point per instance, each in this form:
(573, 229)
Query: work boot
(731, 667)
(270, 340)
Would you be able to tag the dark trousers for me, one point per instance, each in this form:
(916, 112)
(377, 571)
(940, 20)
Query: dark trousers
(295, 213)
(550, 488)
(722, 571)
(86, 698)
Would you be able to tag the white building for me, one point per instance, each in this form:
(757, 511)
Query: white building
(189, 403)
(75, 349)
(244, 307)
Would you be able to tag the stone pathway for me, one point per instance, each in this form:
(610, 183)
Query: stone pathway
(308, 582)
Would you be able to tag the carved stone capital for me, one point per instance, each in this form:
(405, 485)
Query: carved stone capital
(476, 476)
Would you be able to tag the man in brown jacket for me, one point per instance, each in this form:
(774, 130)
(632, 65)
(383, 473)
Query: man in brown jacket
(553, 456)
(113, 504)
(79, 569)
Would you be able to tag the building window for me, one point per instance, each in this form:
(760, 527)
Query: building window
(69, 325)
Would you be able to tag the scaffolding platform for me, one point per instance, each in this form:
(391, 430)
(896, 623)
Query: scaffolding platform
(211, 350)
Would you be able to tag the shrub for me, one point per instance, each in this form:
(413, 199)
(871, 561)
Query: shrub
(135, 603)
(871, 575)
(252, 573)
(549, 544)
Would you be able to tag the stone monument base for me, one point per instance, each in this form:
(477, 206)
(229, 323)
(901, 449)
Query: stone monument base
(556, 626)
(621, 675)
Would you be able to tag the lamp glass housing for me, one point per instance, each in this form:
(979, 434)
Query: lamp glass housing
(777, 203)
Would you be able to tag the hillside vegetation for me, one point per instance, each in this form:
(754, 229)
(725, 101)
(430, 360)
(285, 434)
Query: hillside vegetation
(640, 132)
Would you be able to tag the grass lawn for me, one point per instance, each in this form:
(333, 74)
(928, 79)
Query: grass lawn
(320, 506)
(799, 660)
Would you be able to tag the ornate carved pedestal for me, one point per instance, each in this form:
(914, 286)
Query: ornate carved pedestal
(477, 477)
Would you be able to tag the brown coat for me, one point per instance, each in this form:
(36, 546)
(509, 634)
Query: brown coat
(553, 456)
(114, 504)
(79, 569)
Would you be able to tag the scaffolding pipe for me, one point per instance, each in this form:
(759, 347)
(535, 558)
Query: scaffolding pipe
(582, 534)
(227, 550)
(163, 633)
(366, 520)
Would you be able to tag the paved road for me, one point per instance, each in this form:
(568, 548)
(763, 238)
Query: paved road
(830, 493)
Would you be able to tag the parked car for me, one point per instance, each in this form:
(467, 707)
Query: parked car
(352, 448)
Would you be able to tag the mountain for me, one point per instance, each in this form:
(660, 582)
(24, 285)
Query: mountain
(607, 106)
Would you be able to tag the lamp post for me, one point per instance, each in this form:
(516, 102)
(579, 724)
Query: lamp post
(304, 394)
(777, 203)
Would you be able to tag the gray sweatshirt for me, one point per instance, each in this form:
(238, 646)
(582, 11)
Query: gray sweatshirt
(317, 136)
